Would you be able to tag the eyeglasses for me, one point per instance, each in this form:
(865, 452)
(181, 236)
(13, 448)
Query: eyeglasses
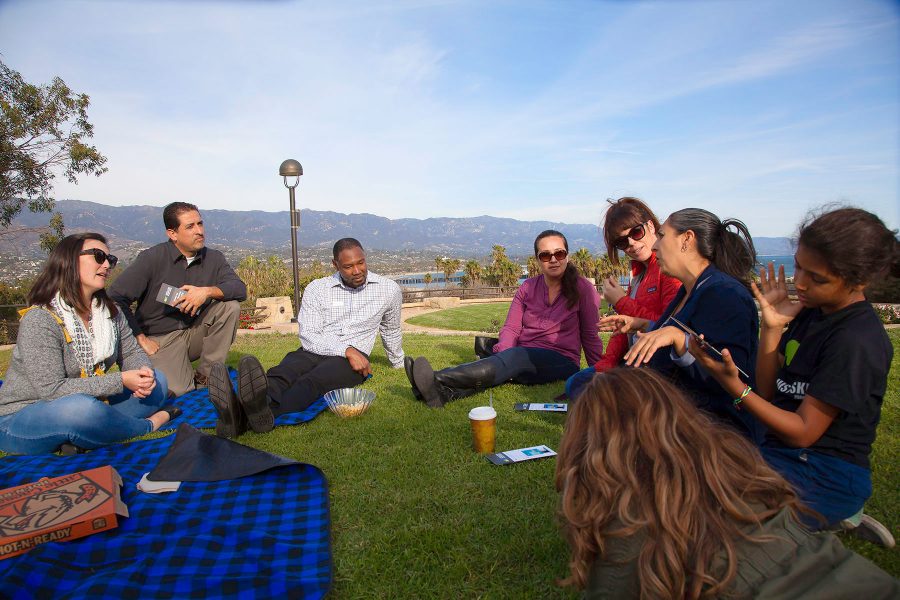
(559, 255)
(100, 256)
(636, 233)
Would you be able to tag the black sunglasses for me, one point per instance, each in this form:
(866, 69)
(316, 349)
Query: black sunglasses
(559, 255)
(100, 256)
(636, 233)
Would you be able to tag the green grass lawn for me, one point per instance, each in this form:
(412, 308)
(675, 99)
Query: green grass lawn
(417, 514)
(471, 317)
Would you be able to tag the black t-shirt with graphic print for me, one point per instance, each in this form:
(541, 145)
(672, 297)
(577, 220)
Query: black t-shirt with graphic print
(841, 359)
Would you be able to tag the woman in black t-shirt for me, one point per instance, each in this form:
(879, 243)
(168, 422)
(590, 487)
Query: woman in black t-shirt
(821, 382)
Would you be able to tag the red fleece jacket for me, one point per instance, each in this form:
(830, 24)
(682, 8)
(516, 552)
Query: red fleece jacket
(655, 291)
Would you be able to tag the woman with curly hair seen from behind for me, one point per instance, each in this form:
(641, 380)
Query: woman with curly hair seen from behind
(659, 501)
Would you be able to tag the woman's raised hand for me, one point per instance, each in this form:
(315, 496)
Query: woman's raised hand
(612, 291)
(776, 308)
(646, 344)
(621, 324)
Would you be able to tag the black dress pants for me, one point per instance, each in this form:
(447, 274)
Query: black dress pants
(302, 377)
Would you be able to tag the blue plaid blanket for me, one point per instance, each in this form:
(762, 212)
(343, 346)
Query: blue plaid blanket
(265, 536)
(199, 411)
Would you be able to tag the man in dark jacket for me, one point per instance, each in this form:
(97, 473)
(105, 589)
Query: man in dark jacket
(175, 329)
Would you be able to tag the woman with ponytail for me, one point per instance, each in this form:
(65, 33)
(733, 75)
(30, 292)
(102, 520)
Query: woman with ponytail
(713, 260)
(552, 317)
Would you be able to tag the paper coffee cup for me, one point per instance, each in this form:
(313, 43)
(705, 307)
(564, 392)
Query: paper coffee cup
(484, 430)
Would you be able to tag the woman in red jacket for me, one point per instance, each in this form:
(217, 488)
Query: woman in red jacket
(629, 226)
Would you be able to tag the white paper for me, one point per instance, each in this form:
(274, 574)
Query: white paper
(157, 487)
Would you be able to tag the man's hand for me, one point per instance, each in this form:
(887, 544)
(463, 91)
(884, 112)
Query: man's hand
(149, 346)
(140, 381)
(358, 361)
(193, 301)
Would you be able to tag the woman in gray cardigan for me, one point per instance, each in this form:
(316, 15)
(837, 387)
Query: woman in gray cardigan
(57, 389)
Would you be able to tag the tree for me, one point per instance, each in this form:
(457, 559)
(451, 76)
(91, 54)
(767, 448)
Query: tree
(502, 272)
(264, 279)
(583, 261)
(42, 129)
(450, 266)
(472, 273)
(533, 267)
(427, 279)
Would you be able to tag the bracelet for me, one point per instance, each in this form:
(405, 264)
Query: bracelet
(744, 394)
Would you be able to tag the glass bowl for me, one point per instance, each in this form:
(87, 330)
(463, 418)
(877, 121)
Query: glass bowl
(349, 402)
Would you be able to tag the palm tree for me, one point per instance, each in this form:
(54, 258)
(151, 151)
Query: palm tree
(472, 272)
(502, 272)
(603, 267)
(427, 279)
(450, 266)
(583, 261)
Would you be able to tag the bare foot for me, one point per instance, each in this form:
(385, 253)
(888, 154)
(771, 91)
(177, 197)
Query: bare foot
(158, 419)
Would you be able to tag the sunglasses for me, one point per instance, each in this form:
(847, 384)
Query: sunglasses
(636, 233)
(100, 256)
(559, 255)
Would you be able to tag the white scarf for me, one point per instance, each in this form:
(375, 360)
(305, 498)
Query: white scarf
(92, 350)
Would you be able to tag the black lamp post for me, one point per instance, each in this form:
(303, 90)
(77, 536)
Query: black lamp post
(292, 168)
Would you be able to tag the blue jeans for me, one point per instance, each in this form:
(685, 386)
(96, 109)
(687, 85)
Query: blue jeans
(834, 488)
(576, 382)
(80, 419)
(530, 366)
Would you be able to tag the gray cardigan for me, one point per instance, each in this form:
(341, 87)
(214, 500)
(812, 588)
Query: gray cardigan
(45, 367)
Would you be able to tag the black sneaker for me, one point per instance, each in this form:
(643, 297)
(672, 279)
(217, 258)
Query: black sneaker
(231, 422)
(252, 387)
(68, 449)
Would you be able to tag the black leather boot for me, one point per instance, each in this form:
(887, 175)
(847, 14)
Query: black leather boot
(452, 383)
(484, 345)
(408, 367)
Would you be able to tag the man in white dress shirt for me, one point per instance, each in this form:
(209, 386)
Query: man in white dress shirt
(339, 318)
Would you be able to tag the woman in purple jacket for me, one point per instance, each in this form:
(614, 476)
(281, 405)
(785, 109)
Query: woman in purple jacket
(552, 317)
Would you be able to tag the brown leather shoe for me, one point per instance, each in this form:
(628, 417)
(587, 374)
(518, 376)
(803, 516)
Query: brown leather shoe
(200, 380)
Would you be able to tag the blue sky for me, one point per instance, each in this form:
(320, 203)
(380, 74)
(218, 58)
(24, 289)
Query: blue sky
(532, 110)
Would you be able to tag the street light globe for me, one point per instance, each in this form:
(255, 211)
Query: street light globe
(290, 168)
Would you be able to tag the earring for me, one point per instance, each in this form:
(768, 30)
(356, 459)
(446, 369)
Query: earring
(684, 246)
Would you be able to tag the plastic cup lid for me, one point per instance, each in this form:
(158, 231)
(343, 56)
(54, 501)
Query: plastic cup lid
(482, 413)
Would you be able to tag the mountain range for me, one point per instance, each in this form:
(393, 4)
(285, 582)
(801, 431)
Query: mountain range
(259, 231)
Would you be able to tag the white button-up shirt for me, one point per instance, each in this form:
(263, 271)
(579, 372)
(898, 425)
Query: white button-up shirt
(334, 316)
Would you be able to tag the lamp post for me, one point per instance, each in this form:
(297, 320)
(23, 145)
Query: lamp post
(292, 168)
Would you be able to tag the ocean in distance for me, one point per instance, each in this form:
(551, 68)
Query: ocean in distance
(416, 280)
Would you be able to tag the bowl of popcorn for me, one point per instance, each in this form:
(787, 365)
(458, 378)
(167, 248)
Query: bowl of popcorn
(349, 402)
